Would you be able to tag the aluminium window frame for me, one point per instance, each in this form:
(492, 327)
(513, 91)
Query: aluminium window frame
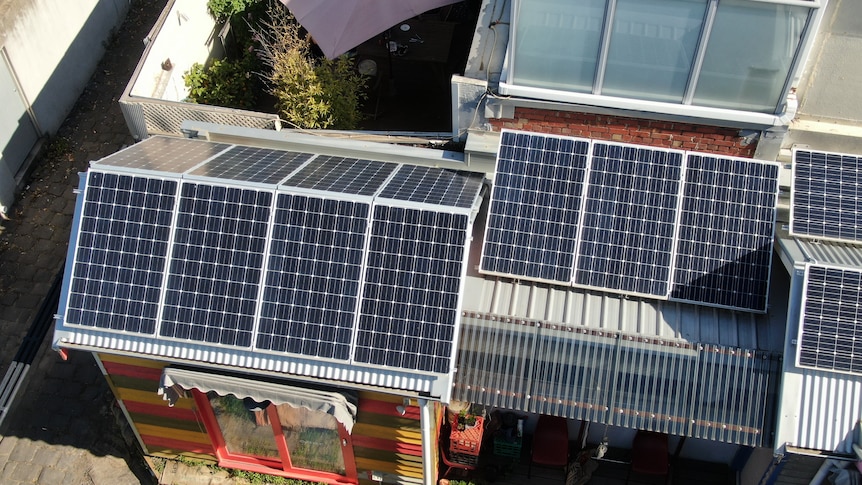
(779, 117)
(278, 467)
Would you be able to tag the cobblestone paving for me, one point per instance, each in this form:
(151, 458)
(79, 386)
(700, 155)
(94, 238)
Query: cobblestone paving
(62, 427)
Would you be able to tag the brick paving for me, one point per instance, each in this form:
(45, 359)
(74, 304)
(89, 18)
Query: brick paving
(62, 427)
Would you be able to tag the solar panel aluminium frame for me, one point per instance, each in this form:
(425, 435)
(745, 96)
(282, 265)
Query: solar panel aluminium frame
(672, 267)
(580, 226)
(801, 323)
(181, 179)
(582, 195)
(676, 217)
(793, 195)
(774, 223)
(466, 212)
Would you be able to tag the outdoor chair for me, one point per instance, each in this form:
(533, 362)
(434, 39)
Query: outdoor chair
(550, 447)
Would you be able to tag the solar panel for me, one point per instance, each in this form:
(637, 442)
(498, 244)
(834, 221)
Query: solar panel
(433, 186)
(727, 223)
(629, 219)
(342, 175)
(830, 329)
(120, 253)
(164, 154)
(826, 196)
(412, 283)
(313, 276)
(535, 206)
(216, 264)
(250, 164)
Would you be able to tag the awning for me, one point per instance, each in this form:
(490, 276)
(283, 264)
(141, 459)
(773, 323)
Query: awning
(336, 404)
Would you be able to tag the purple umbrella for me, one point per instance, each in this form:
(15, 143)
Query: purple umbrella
(340, 25)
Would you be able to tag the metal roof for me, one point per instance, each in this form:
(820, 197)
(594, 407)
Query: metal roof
(673, 367)
(818, 410)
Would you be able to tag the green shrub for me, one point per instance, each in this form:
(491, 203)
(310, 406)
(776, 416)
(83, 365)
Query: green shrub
(223, 83)
(311, 93)
(221, 10)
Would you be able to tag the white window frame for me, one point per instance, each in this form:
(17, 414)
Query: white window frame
(784, 113)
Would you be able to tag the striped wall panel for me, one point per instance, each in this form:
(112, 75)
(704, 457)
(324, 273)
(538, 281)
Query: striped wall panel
(386, 443)
(164, 431)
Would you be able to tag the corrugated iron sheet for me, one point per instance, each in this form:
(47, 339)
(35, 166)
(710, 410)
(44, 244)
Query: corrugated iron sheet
(830, 409)
(670, 367)
(713, 392)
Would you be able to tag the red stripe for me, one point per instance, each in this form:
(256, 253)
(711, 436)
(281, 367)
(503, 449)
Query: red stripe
(388, 409)
(386, 445)
(177, 445)
(132, 371)
(161, 411)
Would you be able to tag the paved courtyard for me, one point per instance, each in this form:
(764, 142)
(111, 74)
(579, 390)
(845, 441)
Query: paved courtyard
(61, 428)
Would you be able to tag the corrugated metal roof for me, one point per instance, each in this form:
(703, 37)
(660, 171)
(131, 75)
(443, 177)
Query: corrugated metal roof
(705, 391)
(830, 408)
(646, 364)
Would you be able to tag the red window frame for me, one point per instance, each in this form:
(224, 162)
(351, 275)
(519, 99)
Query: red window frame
(280, 467)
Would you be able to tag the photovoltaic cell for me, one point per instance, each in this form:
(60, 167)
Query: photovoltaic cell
(121, 252)
(164, 154)
(409, 305)
(250, 164)
(216, 264)
(535, 206)
(727, 224)
(629, 219)
(433, 186)
(826, 200)
(313, 277)
(830, 331)
(342, 175)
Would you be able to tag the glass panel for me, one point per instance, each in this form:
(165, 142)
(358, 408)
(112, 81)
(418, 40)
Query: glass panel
(557, 43)
(652, 47)
(312, 439)
(749, 55)
(244, 426)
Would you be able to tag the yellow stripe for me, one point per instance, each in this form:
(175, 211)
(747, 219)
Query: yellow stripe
(372, 454)
(377, 396)
(149, 397)
(121, 359)
(174, 434)
(401, 435)
(174, 454)
(394, 468)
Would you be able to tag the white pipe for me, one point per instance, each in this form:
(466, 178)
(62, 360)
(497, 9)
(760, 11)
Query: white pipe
(429, 443)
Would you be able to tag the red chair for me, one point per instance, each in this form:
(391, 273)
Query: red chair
(452, 465)
(550, 444)
(650, 454)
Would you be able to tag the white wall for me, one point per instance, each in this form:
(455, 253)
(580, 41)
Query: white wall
(52, 48)
(187, 36)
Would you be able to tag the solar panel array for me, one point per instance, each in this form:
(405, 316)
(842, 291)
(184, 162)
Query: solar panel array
(631, 219)
(830, 330)
(304, 257)
(535, 207)
(826, 196)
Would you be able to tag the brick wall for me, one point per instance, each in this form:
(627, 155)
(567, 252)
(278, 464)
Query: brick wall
(684, 136)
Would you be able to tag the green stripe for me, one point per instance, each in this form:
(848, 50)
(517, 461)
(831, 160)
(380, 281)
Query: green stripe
(388, 456)
(171, 423)
(135, 383)
(387, 421)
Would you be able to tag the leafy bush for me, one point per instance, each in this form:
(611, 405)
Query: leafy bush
(311, 93)
(223, 83)
(221, 10)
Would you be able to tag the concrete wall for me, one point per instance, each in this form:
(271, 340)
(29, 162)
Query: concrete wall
(52, 48)
(683, 136)
(188, 35)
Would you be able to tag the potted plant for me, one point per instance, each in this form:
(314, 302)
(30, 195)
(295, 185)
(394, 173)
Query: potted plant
(466, 420)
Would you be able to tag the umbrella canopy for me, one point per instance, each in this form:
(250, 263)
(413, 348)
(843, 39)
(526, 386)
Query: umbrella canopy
(340, 25)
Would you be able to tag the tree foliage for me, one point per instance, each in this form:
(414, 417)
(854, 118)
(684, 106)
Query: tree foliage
(223, 83)
(221, 10)
(311, 93)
